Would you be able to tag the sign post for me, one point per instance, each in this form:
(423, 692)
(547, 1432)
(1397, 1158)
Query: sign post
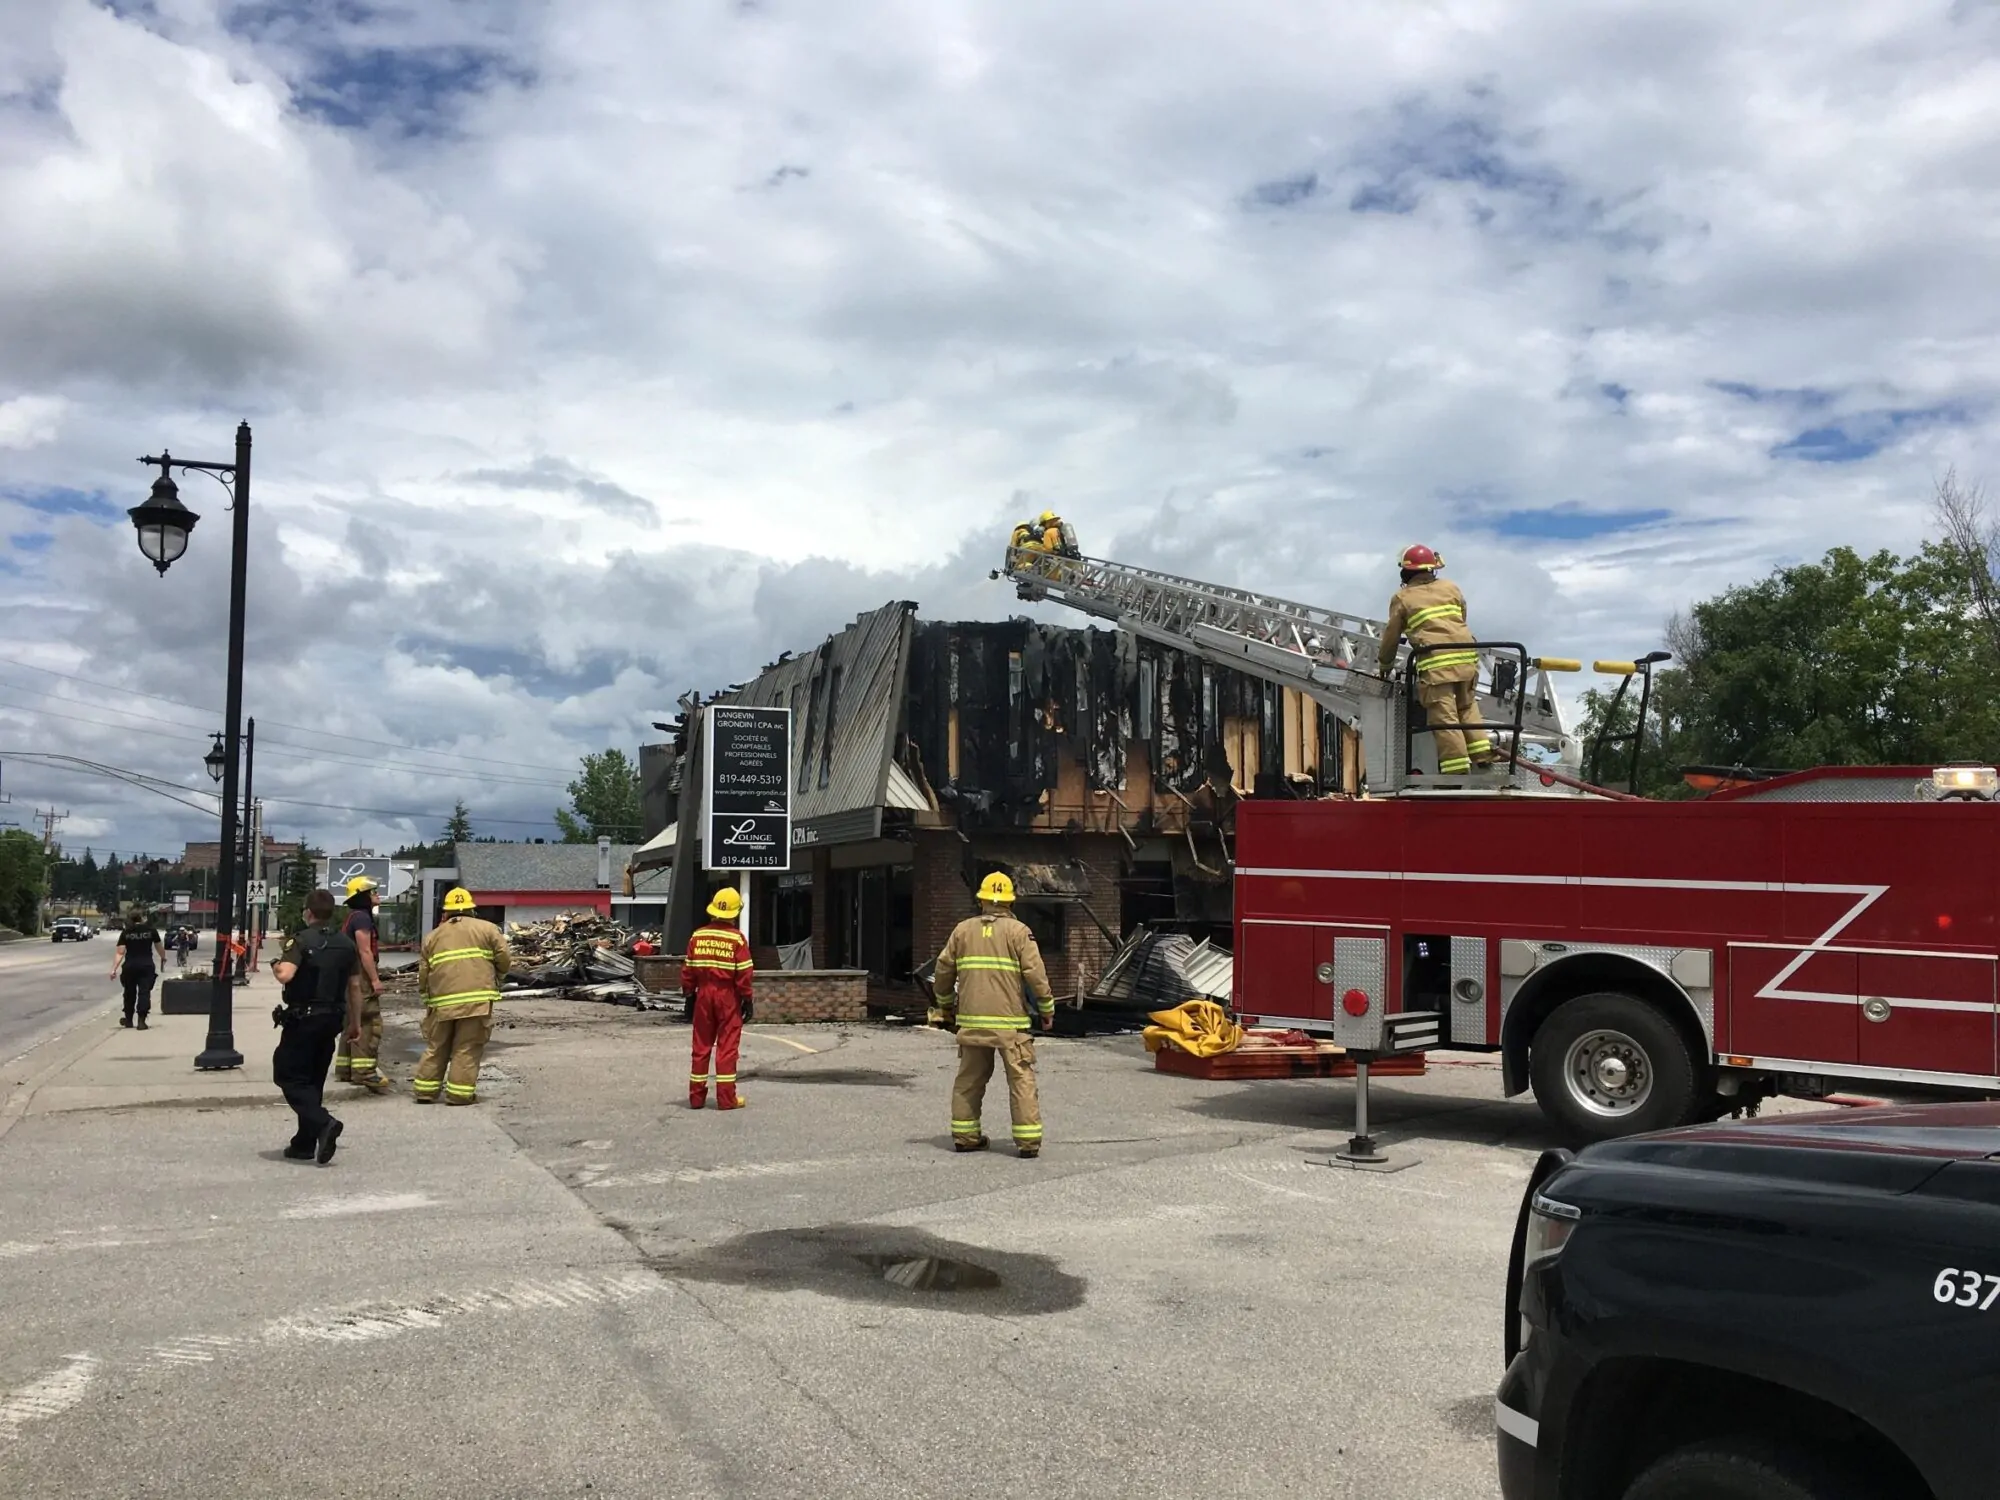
(748, 760)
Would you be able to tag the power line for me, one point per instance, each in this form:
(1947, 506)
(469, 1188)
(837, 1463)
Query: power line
(297, 752)
(278, 724)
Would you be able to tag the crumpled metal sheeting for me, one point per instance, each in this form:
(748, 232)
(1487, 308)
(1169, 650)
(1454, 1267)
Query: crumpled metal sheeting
(1160, 970)
(580, 955)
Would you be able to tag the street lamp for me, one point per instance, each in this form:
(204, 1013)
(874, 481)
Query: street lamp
(215, 760)
(163, 524)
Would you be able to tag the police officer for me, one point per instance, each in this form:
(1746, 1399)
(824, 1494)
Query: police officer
(989, 973)
(314, 970)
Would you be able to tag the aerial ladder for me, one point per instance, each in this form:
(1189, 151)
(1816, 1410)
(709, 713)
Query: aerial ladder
(1332, 658)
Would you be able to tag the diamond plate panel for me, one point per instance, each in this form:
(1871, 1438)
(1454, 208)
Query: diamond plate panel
(1468, 1020)
(1844, 789)
(1359, 964)
(1658, 959)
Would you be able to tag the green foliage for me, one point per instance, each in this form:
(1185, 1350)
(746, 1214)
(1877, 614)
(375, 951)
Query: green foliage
(604, 800)
(1851, 660)
(458, 827)
(24, 880)
(296, 886)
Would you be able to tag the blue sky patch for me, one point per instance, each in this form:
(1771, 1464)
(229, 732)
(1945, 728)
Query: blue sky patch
(90, 504)
(1863, 434)
(1569, 522)
(1810, 398)
(31, 541)
(408, 91)
(528, 668)
(1283, 192)
(1615, 393)
(1429, 144)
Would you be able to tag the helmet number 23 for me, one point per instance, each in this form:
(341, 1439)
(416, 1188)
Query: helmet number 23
(1965, 1288)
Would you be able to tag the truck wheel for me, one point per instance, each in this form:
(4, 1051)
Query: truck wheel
(1609, 1065)
(1747, 1469)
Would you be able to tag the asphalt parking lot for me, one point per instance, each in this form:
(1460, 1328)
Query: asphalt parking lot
(1179, 1298)
(581, 1287)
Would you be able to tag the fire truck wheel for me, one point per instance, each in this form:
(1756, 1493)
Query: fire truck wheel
(1608, 1065)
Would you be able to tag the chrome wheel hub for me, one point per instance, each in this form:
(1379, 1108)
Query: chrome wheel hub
(1608, 1073)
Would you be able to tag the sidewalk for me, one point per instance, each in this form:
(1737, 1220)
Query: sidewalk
(125, 1068)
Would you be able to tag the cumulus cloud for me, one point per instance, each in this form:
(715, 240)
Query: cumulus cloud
(603, 350)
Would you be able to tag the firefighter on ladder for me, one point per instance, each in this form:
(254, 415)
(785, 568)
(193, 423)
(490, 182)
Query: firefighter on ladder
(717, 973)
(1431, 612)
(987, 976)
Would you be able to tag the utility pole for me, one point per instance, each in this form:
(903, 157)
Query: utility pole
(49, 821)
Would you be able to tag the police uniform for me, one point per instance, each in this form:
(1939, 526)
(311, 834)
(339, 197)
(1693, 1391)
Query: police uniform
(313, 1018)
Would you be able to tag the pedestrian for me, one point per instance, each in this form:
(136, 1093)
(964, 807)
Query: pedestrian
(140, 954)
(1430, 611)
(716, 975)
(988, 976)
(459, 969)
(356, 1061)
(320, 1007)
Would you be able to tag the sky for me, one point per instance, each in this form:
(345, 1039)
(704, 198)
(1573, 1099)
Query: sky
(601, 350)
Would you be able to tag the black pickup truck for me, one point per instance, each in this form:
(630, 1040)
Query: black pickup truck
(1804, 1307)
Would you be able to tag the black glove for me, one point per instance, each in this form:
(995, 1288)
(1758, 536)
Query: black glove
(278, 1014)
(745, 1008)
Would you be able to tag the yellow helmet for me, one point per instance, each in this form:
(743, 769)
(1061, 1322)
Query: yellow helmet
(1049, 518)
(458, 898)
(359, 884)
(728, 905)
(996, 887)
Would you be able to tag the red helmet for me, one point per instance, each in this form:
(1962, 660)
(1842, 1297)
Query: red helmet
(1417, 558)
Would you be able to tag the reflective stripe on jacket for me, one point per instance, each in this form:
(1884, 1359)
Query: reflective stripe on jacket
(717, 963)
(988, 970)
(460, 966)
(1431, 613)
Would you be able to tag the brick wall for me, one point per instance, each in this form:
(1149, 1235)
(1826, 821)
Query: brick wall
(941, 900)
(788, 997)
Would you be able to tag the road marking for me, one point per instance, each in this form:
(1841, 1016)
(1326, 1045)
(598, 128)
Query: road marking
(358, 1203)
(766, 1036)
(50, 1396)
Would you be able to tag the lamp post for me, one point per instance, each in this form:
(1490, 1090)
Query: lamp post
(163, 524)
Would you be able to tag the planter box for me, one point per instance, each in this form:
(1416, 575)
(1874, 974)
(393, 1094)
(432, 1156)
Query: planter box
(185, 997)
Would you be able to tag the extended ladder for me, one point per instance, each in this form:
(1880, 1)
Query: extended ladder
(1329, 656)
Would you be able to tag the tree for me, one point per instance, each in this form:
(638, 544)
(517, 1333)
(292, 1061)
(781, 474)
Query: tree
(604, 800)
(1851, 660)
(24, 879)
(458, 827)
(298, 884)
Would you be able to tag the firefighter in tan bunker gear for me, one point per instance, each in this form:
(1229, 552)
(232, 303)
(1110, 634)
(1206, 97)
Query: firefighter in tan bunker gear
(1431, 612)
(987, 976)
(459, 969)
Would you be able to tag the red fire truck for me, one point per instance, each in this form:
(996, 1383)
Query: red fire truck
(1643, 964)
(1638, 964)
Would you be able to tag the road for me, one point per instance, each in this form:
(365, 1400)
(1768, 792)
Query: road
(45, 986)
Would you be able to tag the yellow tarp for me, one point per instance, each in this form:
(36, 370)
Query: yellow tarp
(1200, 1026)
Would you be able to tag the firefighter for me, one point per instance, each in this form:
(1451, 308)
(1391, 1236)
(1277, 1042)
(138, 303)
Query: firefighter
(357, 1061)
(459, 969)
(1431, 612)
(717, 975)
(987, 978)
(1057, 535)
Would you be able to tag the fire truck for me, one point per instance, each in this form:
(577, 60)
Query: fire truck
(1636, 963)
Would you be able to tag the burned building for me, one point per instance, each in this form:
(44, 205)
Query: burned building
(1099, 771)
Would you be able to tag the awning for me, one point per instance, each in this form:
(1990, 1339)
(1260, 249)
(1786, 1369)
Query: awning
(656, 851)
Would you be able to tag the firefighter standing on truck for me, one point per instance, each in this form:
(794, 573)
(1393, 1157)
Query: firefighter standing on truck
(987, 977)
(1431, 612)
(717, 974)
(459, 969)
(356, 1061)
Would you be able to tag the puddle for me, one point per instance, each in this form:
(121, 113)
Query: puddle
(932, 1273)
(1472, 1417)
(873, 1263)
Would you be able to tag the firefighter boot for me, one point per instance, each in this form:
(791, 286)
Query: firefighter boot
(697, 1091)
(969, 1143)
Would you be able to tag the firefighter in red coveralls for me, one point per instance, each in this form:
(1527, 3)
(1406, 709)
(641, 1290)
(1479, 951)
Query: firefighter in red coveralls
(716, 974)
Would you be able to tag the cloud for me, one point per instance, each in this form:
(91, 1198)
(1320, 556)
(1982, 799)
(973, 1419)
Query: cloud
(557, 475)
(599, 351)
